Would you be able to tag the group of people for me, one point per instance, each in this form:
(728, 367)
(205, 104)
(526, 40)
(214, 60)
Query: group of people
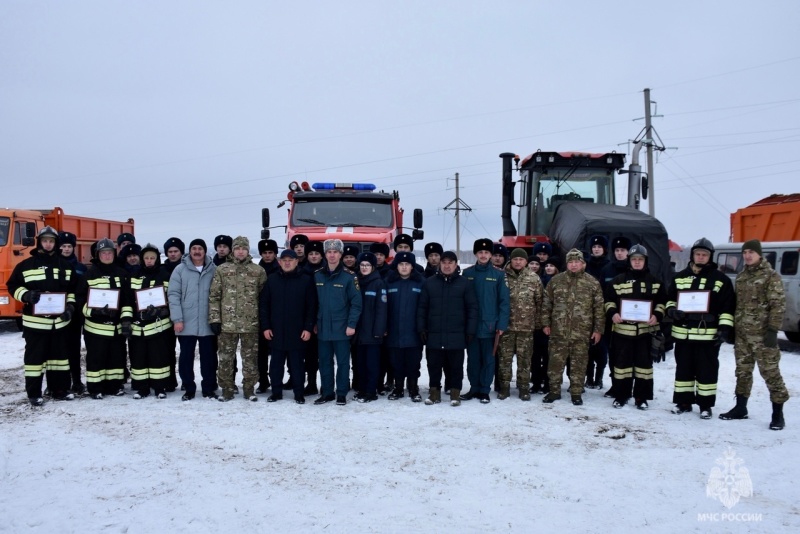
(322, 307)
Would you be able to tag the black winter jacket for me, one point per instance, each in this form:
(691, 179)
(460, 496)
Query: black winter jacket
(287, 305)
(403, 302)
(447, 311)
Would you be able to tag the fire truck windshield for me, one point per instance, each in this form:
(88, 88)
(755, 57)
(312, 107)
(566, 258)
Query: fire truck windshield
(342, 213)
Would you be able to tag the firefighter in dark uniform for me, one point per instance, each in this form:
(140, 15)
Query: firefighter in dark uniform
(46, 271)
(699, 334)
(174, 249)
(105, 326)
(268, 250)
(67, 241)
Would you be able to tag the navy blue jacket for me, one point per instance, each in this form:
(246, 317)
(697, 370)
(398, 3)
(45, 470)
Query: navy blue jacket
(447, 311)
(372, 323)
(287, 305)
(403, 300)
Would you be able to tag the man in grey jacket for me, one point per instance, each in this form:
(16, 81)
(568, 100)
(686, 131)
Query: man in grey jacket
(188, 293)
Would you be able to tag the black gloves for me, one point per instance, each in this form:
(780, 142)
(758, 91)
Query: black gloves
(149, 313)
(657, 351)
(675, 314)
(423, 336)
(103, 313)
(67, 315)
(216, 328)
(771, 339)
(162, 313)
(125, 328)
(31, 297)
(726, 334)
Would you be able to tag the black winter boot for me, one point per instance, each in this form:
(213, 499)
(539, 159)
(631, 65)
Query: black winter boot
(777, 417)
(737, 412)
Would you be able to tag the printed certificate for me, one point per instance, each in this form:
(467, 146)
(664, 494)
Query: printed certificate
(694, 301)
(152, 296)
(99, 298)
(636, 311)
(50, 304)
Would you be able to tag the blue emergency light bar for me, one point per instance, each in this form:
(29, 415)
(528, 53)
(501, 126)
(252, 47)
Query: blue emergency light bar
(322, 186)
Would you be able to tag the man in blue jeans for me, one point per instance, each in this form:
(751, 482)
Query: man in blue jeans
(337, 316)
(188, 292)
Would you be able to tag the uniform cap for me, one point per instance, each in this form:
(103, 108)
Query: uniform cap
(483, 244)
(379, 248)
(404, 257)
(544, 247)
(131, 249)
(620, 242)
(298, 239)
(350, 250)
(403, 239)
(268, 245)
(433, 248)
(368, 257)
(333, 244)
(125, 236)
(174, 242)
(66, 238)
(288, 253)
(315, 246)
(223, 240)
(599, 240)
(500, 248)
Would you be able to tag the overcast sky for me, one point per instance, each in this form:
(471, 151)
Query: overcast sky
(190, 116)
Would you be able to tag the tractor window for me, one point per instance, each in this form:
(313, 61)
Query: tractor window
(5, 224)
(789, 262)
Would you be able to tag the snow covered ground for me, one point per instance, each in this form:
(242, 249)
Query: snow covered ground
(121, 465)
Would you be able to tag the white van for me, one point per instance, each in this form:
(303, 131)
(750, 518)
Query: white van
(784, 256)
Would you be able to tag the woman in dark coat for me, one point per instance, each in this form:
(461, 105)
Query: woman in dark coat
(371, 326)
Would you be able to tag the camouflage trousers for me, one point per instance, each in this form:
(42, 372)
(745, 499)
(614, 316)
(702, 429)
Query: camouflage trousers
(749, 351)
(521, 344)
(226, 372)
(577, 351)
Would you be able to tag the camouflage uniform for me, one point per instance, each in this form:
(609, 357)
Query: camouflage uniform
(760, 304)
(233, 302)
(525, 289)
(573, 309)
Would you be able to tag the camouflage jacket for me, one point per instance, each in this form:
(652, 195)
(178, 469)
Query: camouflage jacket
(233, 298)
(573, 306)
(760, 300)
(526, 293)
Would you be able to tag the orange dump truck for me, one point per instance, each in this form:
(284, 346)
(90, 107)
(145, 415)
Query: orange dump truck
(775, 218)
(18, 230)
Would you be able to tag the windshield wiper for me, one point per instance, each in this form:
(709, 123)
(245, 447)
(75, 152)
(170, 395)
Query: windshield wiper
(312, 221)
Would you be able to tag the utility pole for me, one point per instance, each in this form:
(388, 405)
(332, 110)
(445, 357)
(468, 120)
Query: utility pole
(651, 203)
(457, 205)
(650, 138)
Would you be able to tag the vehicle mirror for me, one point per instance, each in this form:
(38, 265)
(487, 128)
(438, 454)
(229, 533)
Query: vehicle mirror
(645, 185)
(264, 234)
(417, 234)
(418, 219)
(264, 218)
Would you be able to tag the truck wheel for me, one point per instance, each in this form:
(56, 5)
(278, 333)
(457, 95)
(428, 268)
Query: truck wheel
(794, 337)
